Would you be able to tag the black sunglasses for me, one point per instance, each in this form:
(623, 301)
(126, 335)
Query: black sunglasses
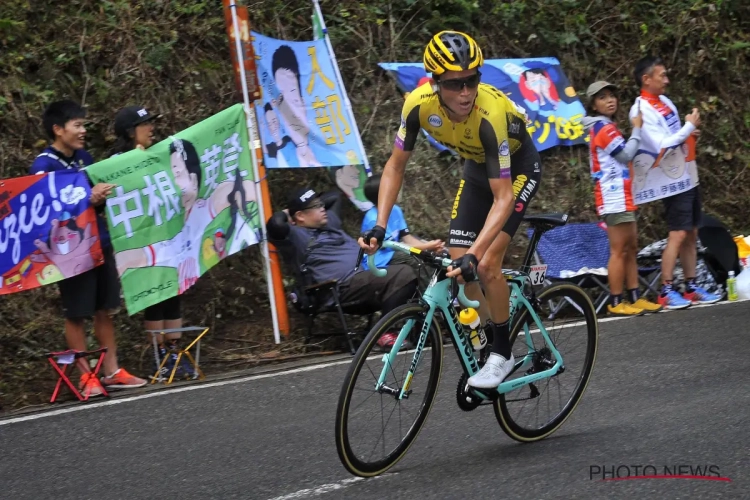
(456, 84)
(314, 205)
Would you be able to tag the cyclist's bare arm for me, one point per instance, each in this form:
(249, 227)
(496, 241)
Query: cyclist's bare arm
(390, 183)
(393, 173)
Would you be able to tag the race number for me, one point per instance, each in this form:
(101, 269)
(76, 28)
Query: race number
(537, 274)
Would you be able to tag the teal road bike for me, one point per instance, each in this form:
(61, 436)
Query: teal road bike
(388, 392)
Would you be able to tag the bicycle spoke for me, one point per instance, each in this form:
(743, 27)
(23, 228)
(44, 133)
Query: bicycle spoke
(382, 434)
(574, 337)
(360, 444)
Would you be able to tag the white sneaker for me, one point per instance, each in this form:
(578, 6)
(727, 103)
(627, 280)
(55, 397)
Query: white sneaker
(493, 372)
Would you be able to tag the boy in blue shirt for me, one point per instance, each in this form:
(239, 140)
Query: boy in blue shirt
(397, 230)
(95, 293)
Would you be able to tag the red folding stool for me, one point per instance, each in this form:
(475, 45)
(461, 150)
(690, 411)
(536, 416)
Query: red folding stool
(68, 360)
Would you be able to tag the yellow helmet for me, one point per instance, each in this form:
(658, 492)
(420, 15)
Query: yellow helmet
(452, 51)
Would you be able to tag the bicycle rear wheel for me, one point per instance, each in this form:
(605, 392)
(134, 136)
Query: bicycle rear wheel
(362, 408)
(519, 412)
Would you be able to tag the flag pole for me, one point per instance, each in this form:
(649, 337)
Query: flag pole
(253, 140)
(347, 103)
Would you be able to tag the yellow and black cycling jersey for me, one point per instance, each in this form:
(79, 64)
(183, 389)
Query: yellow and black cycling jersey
(495, 129)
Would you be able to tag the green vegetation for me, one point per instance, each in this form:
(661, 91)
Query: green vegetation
(173, 56)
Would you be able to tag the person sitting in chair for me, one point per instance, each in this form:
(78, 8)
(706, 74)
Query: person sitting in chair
(308, 234)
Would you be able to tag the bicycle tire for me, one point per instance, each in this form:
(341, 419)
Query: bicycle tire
(348, 458)
(526, 435)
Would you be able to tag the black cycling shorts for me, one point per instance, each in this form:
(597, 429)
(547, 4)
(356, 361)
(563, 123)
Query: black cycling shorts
(474, 197)
(166, 310)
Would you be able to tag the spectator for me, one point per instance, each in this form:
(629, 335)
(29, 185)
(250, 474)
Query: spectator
(308, 232)
(662, 130)
(95, 293)
(609, 158)
(397, 230)
(134, 128)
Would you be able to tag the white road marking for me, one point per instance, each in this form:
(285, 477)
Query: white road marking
(221, 383)
(607, 319)
(327, 488)
(166, 392)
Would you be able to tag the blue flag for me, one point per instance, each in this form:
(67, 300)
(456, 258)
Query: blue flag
(537, 85)
(302, 117)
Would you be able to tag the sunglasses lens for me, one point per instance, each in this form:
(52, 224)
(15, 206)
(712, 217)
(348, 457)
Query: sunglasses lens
(452, 85)
(457, 84)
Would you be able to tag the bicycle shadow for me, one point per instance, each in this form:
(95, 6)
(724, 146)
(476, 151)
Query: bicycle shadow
(500, 449)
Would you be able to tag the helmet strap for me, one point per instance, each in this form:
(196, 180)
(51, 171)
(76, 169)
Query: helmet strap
(443, 105)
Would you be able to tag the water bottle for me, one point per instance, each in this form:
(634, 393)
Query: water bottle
(469, 318)
(731, 287)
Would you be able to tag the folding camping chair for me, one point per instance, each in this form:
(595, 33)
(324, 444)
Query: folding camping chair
(576, 253)
(189, 364)
(67, 359)
(314, 299)
(649, 276)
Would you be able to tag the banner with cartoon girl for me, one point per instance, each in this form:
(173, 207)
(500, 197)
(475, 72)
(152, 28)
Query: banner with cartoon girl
(48, 230)
(302, 117)
(180, 207)
(538, 85)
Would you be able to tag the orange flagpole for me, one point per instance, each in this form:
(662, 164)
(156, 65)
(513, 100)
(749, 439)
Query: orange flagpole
(254, 93)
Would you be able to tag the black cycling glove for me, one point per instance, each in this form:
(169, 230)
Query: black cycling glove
(468, 264)
(376, 232)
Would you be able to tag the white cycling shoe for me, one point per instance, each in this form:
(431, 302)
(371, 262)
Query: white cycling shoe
(493, 372)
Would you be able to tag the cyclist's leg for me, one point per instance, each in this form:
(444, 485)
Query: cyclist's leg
(501, 361)
(473, 290)
(525, 186)
(470, 208)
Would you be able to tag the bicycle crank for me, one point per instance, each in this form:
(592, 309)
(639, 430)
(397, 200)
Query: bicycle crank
(466, 397)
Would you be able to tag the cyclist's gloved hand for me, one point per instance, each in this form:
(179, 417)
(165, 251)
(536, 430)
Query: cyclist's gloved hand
(468, 264)
(376, 232)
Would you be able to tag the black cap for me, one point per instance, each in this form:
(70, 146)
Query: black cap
(301, 199)
(130, 117)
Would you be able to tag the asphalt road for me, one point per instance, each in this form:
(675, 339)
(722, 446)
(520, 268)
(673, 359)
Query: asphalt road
(668, 390)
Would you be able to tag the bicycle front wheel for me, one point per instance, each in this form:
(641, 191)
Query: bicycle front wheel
(536, 410)
(374, 427)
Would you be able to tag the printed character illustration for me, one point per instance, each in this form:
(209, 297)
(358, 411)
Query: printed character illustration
(673, 163)
(49, 274)
(641, 166)
(537, 86)
(183, 251)
(212, 249)
(348, 180)
(68, 247)
(244, 226)
(278, 144)
(285, 68)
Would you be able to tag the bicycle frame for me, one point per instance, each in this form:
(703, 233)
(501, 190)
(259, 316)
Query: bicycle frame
(437, 297)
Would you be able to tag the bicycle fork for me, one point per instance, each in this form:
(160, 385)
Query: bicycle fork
(388, 358)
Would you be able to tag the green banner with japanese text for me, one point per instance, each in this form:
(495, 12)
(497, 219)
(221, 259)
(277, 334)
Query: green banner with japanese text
(180, 207)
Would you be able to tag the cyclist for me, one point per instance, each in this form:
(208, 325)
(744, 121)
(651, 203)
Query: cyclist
(502, 171)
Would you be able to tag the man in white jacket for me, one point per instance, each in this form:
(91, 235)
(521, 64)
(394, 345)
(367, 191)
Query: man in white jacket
(661, 134)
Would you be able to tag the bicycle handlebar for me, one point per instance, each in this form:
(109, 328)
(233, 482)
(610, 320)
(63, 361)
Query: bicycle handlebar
(425, 256)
